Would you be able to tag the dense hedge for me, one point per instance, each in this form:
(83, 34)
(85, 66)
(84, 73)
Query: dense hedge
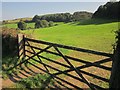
(9, 41)
(63, 17)
(77, 16)
(43, 24)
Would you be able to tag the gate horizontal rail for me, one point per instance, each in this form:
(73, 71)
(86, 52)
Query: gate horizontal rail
(70, 47)
(67, 58)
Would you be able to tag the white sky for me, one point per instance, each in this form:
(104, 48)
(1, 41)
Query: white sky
(57, 0)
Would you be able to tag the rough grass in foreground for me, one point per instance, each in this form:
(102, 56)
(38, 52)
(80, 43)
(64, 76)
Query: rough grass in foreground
(38, 81)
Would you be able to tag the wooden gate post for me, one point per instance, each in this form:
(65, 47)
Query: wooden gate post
(115, 73)
(21, 46)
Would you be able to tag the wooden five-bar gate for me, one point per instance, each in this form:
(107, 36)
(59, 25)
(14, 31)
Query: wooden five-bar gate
(64, 64)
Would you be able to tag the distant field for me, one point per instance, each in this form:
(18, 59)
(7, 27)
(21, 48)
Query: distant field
(98, 36)
(15, 25)
(17, 20)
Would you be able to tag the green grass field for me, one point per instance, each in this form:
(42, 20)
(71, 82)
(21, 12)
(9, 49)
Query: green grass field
(96, 36)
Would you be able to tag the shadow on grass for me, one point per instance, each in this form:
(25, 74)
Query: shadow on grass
(94, 22)
(25, 77)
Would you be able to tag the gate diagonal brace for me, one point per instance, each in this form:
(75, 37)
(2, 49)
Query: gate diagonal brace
(37, 55)
(77, 70)
(31, 57)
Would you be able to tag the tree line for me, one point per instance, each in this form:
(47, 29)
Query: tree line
(108, 11)
(48, 20)
(64, 17)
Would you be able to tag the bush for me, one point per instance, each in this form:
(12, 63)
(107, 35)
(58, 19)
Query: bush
(37, 24)
(77, 16)
(41, 24)
(44, 23)
(9, 41)
(38, 81)
(51, 23)
(22, 25)
(118, 37)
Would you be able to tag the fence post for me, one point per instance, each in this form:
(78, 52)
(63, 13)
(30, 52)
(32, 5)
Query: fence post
(115, 73)
(21, 46)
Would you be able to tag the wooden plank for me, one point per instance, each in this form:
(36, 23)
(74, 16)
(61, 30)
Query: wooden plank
(23, 47)
(76, 70)
(88, 64)
(52, 75)
(37, 56)
(71, 69)
(69, 57)
(20, 46)
(29, 58)
(70, 47)
(96, 64)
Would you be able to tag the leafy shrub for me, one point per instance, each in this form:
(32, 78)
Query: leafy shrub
(9, 41)
(51, 23)
(38, 81)
(41, 24)
(37, 24)
(22, 25)
(44, 23)
(118, 37)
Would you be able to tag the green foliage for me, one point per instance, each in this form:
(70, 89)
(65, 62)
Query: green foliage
(44, 23)
(118, 37)
(20, 86)
(7, 63)
(22, 25)
(9, 41)
(38, 81)
(41, 24)
(4, 76)
(108, 11)
(59, 17)
(64, 17)
(77, 16)
(37, 24)
(35, 18)
(51, 23)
